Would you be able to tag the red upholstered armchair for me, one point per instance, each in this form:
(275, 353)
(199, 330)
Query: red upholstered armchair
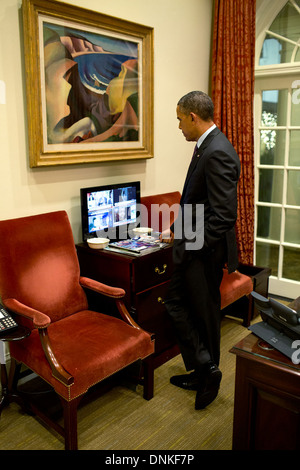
(70, 346)
(161, 210)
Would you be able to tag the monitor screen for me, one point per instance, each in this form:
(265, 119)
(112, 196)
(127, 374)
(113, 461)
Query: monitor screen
(108, 211)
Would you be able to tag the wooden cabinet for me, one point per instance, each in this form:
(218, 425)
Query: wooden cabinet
(267, 401)
(145, 279)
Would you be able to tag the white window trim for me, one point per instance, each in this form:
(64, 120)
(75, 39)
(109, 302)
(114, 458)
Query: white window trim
(281, 286)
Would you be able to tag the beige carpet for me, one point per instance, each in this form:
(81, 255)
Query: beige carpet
(122, 420)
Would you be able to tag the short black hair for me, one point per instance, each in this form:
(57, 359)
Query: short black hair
(199, 103)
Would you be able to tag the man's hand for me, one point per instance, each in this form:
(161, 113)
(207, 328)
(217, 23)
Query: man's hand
(167, 236)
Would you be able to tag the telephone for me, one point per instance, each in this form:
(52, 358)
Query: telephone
(7, 323)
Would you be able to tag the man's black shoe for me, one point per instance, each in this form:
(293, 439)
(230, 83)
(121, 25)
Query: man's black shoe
(209, 390)
(190, 381)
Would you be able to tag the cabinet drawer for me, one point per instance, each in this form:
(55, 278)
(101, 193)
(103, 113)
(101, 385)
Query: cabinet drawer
(151, 270)
(153, 317)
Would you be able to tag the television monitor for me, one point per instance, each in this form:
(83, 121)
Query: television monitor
(109, 210)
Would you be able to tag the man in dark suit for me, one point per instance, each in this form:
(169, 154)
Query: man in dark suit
(208, 213)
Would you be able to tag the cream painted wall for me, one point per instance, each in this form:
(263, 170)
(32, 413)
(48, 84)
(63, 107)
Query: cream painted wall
(182, 38)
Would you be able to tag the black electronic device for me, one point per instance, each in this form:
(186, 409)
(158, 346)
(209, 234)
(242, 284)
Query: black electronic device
(280, 326)
(108, 211)
(7, 323)
(278, 315)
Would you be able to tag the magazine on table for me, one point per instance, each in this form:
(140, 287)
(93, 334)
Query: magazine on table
(138, 245)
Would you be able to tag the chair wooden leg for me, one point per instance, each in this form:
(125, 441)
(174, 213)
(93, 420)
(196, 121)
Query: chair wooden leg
(148, 378)
(70, 423)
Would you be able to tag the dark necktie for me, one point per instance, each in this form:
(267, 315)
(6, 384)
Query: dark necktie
(195, 152)
(193, 163)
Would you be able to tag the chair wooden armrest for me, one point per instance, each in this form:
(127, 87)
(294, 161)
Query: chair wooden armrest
(115, 293)
(57, 369)
(41, 322)
(96, 286)
(126, 315)
(39, 319)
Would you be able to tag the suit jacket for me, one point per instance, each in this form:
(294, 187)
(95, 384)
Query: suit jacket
(211, 180)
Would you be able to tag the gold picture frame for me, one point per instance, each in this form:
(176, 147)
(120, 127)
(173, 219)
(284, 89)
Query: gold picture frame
(89, 85)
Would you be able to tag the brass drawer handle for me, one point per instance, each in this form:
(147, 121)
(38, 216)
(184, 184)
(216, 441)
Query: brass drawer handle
(160, 300)
(158, 271)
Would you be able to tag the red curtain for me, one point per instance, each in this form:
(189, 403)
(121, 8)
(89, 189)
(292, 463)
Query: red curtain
(233, 94)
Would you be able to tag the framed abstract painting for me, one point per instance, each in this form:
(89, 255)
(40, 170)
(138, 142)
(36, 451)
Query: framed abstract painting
(89, 85)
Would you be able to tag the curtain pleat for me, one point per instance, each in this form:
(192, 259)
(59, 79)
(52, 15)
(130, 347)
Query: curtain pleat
(232, 85)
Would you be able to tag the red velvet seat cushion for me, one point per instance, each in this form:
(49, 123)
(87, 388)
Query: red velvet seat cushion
(91, 346)
(234, 286)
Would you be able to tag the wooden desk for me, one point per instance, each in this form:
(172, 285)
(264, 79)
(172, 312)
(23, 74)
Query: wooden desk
(267, 398)
(145, 280)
